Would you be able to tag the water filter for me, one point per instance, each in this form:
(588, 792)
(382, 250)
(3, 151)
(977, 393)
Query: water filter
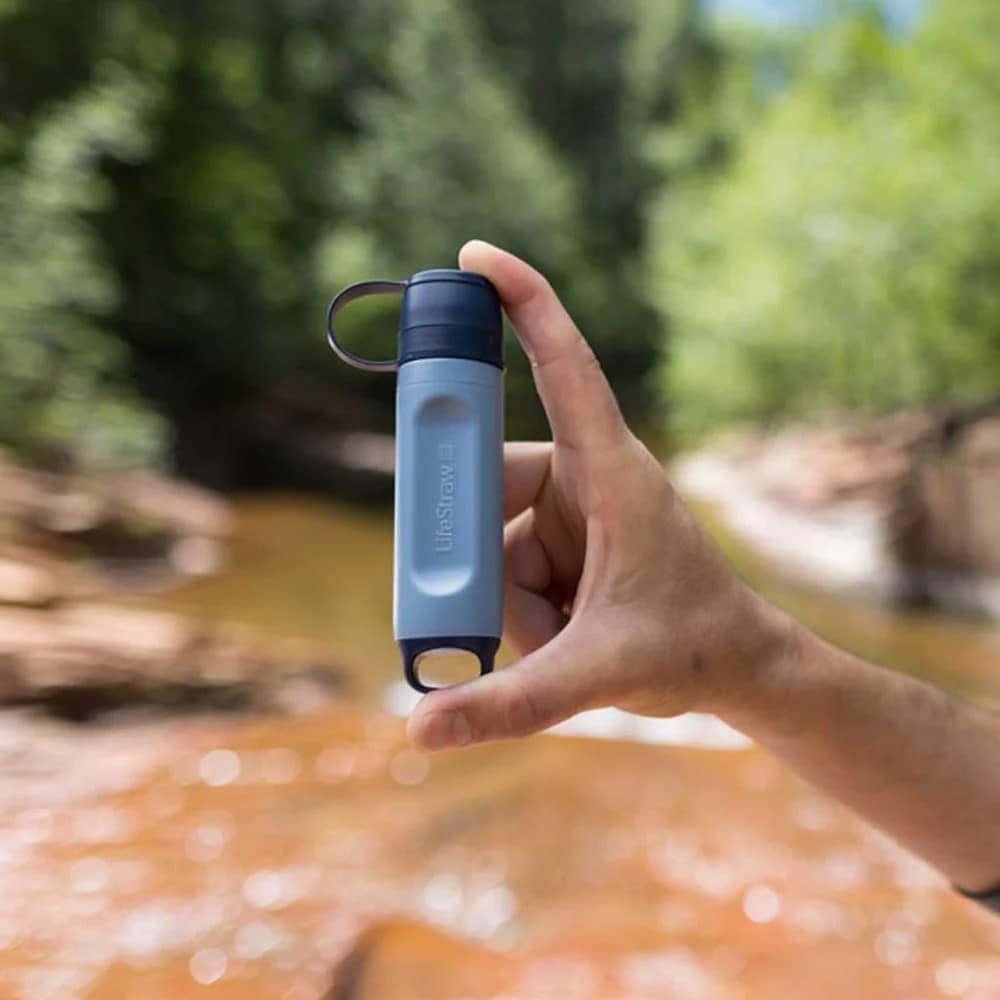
(448, 534)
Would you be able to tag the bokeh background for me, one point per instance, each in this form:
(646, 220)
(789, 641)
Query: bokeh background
(779, 226)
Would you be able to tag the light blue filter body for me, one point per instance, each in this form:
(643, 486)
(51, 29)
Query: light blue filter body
(448, 579)
(448, 553)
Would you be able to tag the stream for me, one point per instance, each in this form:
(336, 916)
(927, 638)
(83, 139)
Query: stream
(233, 856)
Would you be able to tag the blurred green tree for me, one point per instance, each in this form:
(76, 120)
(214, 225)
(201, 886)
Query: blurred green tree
(64, 392)
(524, 123)
(187, 256)
(271, 152)
(213, 235)
(446, 154)
(598, 79)
(849, 255)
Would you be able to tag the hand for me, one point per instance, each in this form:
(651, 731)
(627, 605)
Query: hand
(613, 593)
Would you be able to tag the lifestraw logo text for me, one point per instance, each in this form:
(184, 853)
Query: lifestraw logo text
(444, 512)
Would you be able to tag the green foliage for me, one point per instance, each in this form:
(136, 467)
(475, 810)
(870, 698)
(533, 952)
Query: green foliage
(521, 123)
(849, 254)
(63, 386)
(444, 154)
(183, 186)
(597, 78)
(445, 151)
(288, 147)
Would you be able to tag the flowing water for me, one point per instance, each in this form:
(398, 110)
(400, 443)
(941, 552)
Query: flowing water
(226, 857)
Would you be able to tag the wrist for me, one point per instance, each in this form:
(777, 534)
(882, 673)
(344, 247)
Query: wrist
(762, 667)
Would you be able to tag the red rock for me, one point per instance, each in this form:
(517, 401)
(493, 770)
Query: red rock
(409, 961)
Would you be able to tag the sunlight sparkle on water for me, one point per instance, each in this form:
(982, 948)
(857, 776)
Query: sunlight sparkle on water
(761, 904)
(149, 930)
(953, 977)
(269, 889)
(90, 874)
(219, 767)
(813, 813)
(489, 910)
(205, 843)
(208, 965)
(443, 895)
(257, 938)
(897, 946)
(820, 918)
(102, 825)
(675, 972)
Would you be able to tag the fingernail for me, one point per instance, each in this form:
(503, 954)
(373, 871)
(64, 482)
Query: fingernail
(445, 729)
(479, 242)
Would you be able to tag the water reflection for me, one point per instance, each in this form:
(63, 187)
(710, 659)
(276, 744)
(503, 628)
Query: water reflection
(761, 904)
(208, 840)
(208, 965)
(613, 886)
(248, 856)
(219, 767)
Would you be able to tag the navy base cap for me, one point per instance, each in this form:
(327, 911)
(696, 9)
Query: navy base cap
(448, 313)
(483, 647)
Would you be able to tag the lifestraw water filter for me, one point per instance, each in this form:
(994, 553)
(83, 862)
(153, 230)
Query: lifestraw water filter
(448, 555)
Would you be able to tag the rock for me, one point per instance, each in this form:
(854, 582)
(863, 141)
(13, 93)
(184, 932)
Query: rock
(412, 961)
(813, 467)
(90, 644)
(902, 507)
(197, 556)
(28, 579)
(90, 656)
(135, 524)
(138, 635)
(147, 518)
(944, 524)
(47, 501)
(181, 507)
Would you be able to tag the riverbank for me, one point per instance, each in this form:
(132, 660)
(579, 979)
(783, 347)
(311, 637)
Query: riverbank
(321, 856)
(900, 510)
(80, 556)
(289, 844)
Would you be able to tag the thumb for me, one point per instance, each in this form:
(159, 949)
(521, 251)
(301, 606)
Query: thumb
(536, 692)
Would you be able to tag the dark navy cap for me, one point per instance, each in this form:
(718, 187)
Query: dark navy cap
(450, 314)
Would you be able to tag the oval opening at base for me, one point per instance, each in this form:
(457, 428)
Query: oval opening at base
(446, 667)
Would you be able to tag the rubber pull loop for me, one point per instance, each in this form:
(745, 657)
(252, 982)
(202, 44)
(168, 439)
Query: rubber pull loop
(347, 296)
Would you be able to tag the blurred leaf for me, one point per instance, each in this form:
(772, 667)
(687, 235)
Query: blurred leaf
(63, 372)
(849, 255)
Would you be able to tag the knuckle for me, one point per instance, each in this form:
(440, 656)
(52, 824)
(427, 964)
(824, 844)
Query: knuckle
(588, 356)
(543, 287)
(522, 715)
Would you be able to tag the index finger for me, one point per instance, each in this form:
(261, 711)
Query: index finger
(578, 401)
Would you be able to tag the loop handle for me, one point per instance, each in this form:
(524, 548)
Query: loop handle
(345, 297)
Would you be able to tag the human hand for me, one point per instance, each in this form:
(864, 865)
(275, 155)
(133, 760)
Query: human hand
(613, 593)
